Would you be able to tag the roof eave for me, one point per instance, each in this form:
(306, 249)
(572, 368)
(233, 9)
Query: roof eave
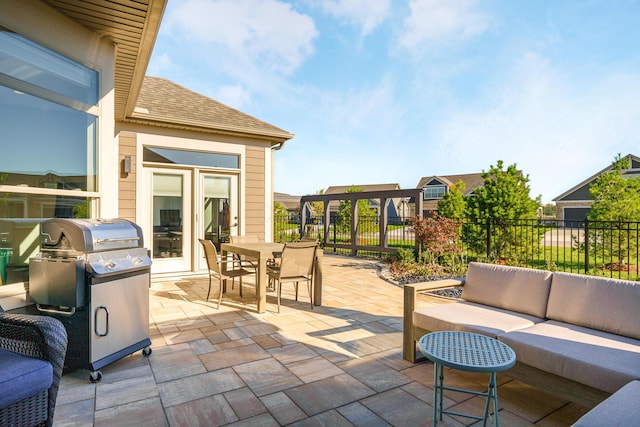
(273, 136)
(151, 30)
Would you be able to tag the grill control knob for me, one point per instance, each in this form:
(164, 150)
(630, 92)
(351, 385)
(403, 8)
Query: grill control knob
(110, 265)
(137, 260)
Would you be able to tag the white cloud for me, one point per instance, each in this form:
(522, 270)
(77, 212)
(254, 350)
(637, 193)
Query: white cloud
(437, 21)
(235, 96)
(547, 123)
(159, 64)
(367, 14)
(268, 32)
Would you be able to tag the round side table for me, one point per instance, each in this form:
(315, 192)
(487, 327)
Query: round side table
(469, 352)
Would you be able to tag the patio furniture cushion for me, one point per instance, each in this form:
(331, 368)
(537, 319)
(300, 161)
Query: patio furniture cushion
(621, 409)
(609, 305)
(599, 359)
(471, 317)
(22, 376)
(512, 288)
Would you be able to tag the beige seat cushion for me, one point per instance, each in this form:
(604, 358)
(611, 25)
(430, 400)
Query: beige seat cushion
(621, 409)
(524, 290)
(471, 317)
(599, 359)
(609, 305)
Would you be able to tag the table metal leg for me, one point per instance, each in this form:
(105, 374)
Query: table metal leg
(438, 380)
(492, 394)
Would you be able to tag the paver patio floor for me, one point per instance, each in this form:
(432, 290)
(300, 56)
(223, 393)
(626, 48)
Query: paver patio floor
(336, 365)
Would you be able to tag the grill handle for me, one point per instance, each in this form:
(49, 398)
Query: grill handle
(44, 309)
(124, 239)
(95, 321)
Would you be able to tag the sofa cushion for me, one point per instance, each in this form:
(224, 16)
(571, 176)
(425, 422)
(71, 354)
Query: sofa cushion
(471, 317)
(620, 409)
(599, 359)
(22, 376)
(609, 305)
(513, 288)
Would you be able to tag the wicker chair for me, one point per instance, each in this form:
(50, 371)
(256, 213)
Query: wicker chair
(39, 337)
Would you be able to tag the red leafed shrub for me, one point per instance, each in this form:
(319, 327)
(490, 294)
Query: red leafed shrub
(437, 236)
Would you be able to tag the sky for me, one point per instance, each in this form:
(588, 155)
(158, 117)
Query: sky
(390, 91)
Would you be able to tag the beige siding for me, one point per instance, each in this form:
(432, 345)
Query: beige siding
(127, 182)
(255, 191)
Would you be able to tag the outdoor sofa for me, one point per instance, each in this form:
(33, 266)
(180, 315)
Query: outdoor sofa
(32, 352)
(575, 336)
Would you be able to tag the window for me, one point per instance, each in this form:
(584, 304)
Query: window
(434, 192)
(48, 160)
(193, 158)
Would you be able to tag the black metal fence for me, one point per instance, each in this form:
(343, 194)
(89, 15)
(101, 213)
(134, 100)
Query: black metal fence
(601, 248)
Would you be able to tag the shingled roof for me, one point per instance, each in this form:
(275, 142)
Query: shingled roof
(471, 180)
(165, 103)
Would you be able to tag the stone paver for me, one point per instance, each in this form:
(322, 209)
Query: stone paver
(339, 364)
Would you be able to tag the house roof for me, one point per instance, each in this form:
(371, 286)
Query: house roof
(634, 163)
(287, 200)
(471, 180)
(132, 26)
(337, 189)
(163, 102)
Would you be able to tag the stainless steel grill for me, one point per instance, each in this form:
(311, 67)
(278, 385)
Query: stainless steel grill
(94, 275)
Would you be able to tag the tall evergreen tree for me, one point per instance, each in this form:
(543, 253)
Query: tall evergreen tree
(616, 201)
(496, 208)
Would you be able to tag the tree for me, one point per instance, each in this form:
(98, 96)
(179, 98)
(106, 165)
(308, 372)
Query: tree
(365, 213)
(616, 201)
(615, 197)
(500, 203)
(505, 195)
(279, 211)
(453, 203)
(317, 207)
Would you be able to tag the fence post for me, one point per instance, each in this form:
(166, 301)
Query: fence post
(586, 246)
(488, 228)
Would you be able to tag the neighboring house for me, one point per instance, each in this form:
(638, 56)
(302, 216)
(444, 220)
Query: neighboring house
(289, 202)
(83, 130)
(396, 207)
(435, 187)
(575, 203)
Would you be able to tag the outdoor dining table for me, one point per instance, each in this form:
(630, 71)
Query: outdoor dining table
(262, 252)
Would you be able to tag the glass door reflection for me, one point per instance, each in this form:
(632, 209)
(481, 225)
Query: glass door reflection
(167, 215)
(217, 209)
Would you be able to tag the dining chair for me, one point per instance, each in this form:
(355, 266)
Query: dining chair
(242, 261)
(296, 265)
(214, 264)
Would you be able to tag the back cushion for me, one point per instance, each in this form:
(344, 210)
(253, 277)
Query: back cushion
(518, 289)
(608, 305)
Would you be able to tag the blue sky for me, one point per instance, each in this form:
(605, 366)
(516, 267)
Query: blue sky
(389, 91)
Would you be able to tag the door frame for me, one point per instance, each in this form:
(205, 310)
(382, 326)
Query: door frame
(177, 264)
(200, 175)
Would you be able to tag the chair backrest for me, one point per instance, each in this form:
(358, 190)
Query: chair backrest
(211, 254)
(244, 239)
(298, 259)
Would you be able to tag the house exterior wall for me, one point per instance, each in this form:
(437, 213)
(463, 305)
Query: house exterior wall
(74, 41)
(561, 205)
(253, 175)
(127, 181)
(256, 200)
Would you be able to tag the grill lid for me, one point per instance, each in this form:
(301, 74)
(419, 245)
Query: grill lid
(79, 235)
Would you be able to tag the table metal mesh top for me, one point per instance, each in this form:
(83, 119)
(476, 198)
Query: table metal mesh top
(467, 351)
